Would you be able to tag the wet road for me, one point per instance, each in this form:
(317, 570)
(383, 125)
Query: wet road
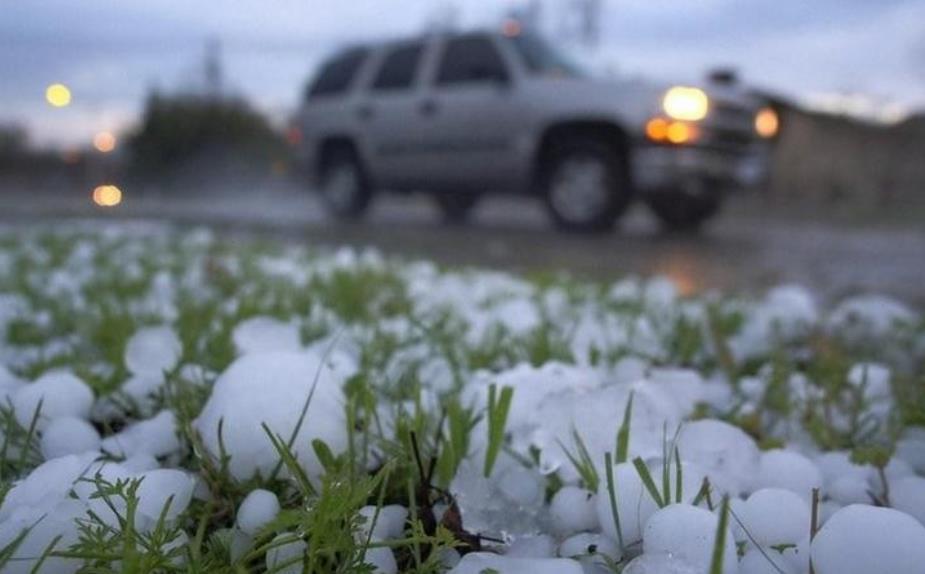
(745, 250)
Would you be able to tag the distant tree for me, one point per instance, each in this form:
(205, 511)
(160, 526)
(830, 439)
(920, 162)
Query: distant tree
(582, 21)
(13, 140)
(187, 138)
(529, 14)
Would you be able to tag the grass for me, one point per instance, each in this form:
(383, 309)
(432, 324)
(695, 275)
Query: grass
(74, 298)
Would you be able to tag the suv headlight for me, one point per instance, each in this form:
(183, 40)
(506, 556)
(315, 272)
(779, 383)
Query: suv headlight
(688, 104)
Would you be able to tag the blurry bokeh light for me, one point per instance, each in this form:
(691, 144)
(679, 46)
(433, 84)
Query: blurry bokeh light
(661, 130)
(104, 142)
(107, 196)
(58, 95)
(679, 132)
(512, 28)
(294, 135)
(767, 123)
(683, 103)
(657, 129)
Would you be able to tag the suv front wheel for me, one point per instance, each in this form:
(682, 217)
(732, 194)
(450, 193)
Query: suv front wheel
(585, 185)
(343, 187)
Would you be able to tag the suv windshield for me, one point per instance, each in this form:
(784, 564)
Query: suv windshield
(541, 58)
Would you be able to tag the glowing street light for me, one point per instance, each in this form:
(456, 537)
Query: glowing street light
(107, 196)
(104, 142)
(767, 123)
(58, 95)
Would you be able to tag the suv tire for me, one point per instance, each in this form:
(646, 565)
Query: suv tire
(682, 211)
(586, 185)
(456, 207)
(343, 185)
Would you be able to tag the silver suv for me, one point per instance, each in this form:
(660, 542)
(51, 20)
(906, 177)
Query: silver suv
(463, 114)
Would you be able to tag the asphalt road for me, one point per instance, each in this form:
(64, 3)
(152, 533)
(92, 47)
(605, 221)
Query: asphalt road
(739, 252)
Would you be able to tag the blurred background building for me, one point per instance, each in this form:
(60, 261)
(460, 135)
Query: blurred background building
(824, 158)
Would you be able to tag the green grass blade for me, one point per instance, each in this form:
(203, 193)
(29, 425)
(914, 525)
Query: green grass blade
(582, 462)
(679, 476)
(719, 544)
(647, 481)
(288, 459)
(623, 435)
(612, 494)
(498, 409)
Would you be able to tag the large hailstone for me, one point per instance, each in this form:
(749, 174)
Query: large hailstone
(385, 523)
(156, 436)
(659, 564)
(69, 435)
(907, 494)
(767, 562)
(60, 393)
(573, 510)
(862, 539)
(789, 470)
(265, 334)
(48, 483)
(774, 517)
(911, 447)
(9, 384)
(688, 533)
(725, 453)
(285, 553)
(480, 562)
(272, 388)
(153, 350)
(58, 525)
(162, 487)
(381, 559)
(257, 510)
(634, 505)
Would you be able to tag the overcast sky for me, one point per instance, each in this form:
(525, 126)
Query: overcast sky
(112, 52)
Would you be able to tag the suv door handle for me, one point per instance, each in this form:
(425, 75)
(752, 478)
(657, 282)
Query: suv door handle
(427, 107)
(366, 112)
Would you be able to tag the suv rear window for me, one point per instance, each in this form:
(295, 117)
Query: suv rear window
(541, 58)
(470, 59)
(398, 67)
(337, 74)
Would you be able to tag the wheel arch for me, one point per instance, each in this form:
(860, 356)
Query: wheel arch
(598, 128)
(330, 145)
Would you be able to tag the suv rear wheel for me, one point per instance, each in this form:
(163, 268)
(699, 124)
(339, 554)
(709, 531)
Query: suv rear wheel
(586, 185)
(456, 207)
(344, 188)
(683, 209)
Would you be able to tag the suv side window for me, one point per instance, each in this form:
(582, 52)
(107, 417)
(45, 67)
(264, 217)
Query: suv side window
(470, 59)
(337, 74)
(398, 67)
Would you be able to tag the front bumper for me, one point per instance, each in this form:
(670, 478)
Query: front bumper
(660, 167)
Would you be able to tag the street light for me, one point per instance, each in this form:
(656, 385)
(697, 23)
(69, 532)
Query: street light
(104, 142)
(58, 95)
(107, 196)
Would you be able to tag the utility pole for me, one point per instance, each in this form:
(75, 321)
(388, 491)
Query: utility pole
(582, 21)
(529, 14)
(212, 70)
